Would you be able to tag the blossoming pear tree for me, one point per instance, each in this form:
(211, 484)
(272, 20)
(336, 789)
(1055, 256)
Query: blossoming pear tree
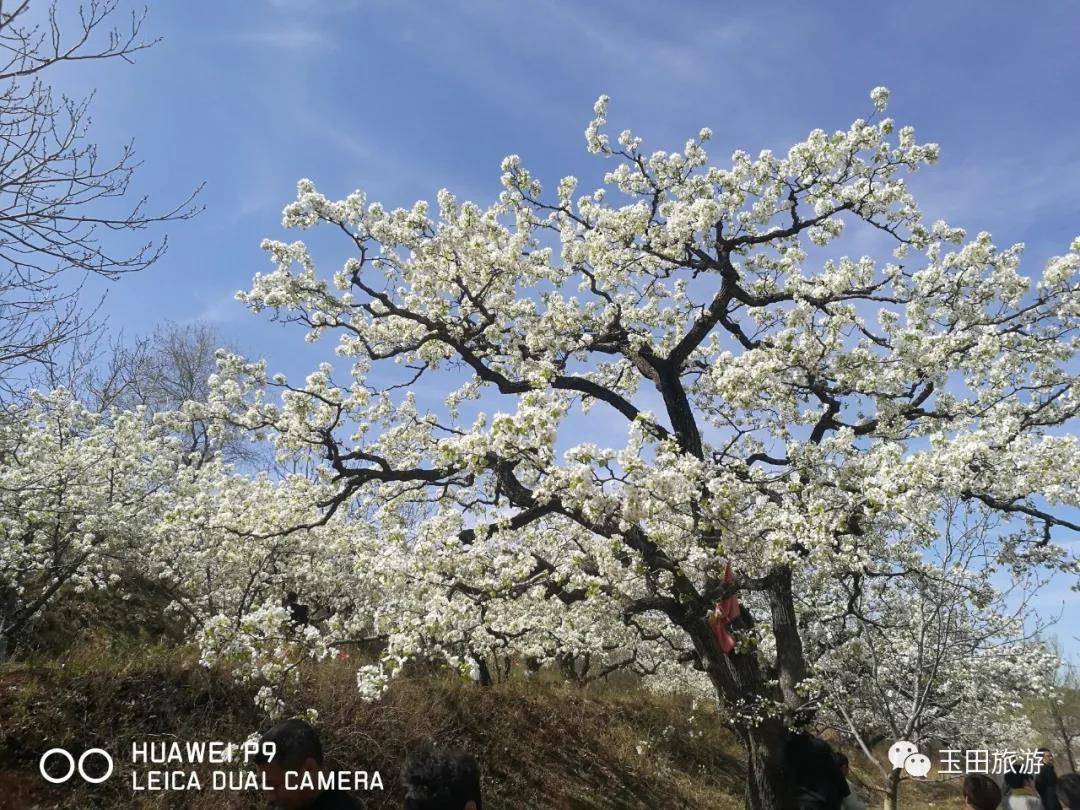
(223, 553)
(932, 651)
(79, 491)
(796, 418)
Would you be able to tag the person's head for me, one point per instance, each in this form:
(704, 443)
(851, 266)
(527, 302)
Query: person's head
(1068, 791)
(441, 779)
(297, 750)
(842, 763)
(1015, 779)
(981, 792)
(1047, 756)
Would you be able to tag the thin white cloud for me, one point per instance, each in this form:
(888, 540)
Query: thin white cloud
(286, 38)
(314, 6)
(221, 308)
(1015, 192)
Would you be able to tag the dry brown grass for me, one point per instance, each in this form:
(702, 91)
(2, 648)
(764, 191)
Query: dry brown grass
(540, 743)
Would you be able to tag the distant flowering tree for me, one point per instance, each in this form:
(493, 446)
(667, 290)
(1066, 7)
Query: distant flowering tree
(79, 492)
(818, 411)
(1056, 714)
(930, 651)
(221, 552)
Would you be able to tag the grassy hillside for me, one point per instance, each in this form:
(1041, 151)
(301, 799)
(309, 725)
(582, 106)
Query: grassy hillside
(540, 744)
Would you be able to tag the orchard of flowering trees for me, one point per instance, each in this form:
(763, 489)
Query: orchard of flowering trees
(829, 467)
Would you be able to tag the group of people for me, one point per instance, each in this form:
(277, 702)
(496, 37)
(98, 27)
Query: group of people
(434, 778)
(1022, 791)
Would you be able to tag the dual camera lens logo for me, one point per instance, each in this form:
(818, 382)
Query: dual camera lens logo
(75, 765)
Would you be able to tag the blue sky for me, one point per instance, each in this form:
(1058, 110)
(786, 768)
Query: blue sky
(403, 98)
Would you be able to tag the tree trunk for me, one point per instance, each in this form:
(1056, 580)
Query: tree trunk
(737, 679)
(483, 672)
(8, 639)
(790, 659)
(767, 787)
(1063, 733)
(1068, 752)
(892, 790)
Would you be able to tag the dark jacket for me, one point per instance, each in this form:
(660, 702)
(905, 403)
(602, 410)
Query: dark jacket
(336, 800)
(819, 784)
(1046, 785)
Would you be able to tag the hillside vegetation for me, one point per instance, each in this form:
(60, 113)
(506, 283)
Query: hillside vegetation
(540, 742)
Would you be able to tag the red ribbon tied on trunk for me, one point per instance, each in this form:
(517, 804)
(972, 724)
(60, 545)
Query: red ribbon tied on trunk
(721, 617)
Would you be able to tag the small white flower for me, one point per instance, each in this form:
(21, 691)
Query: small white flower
(880, 96)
